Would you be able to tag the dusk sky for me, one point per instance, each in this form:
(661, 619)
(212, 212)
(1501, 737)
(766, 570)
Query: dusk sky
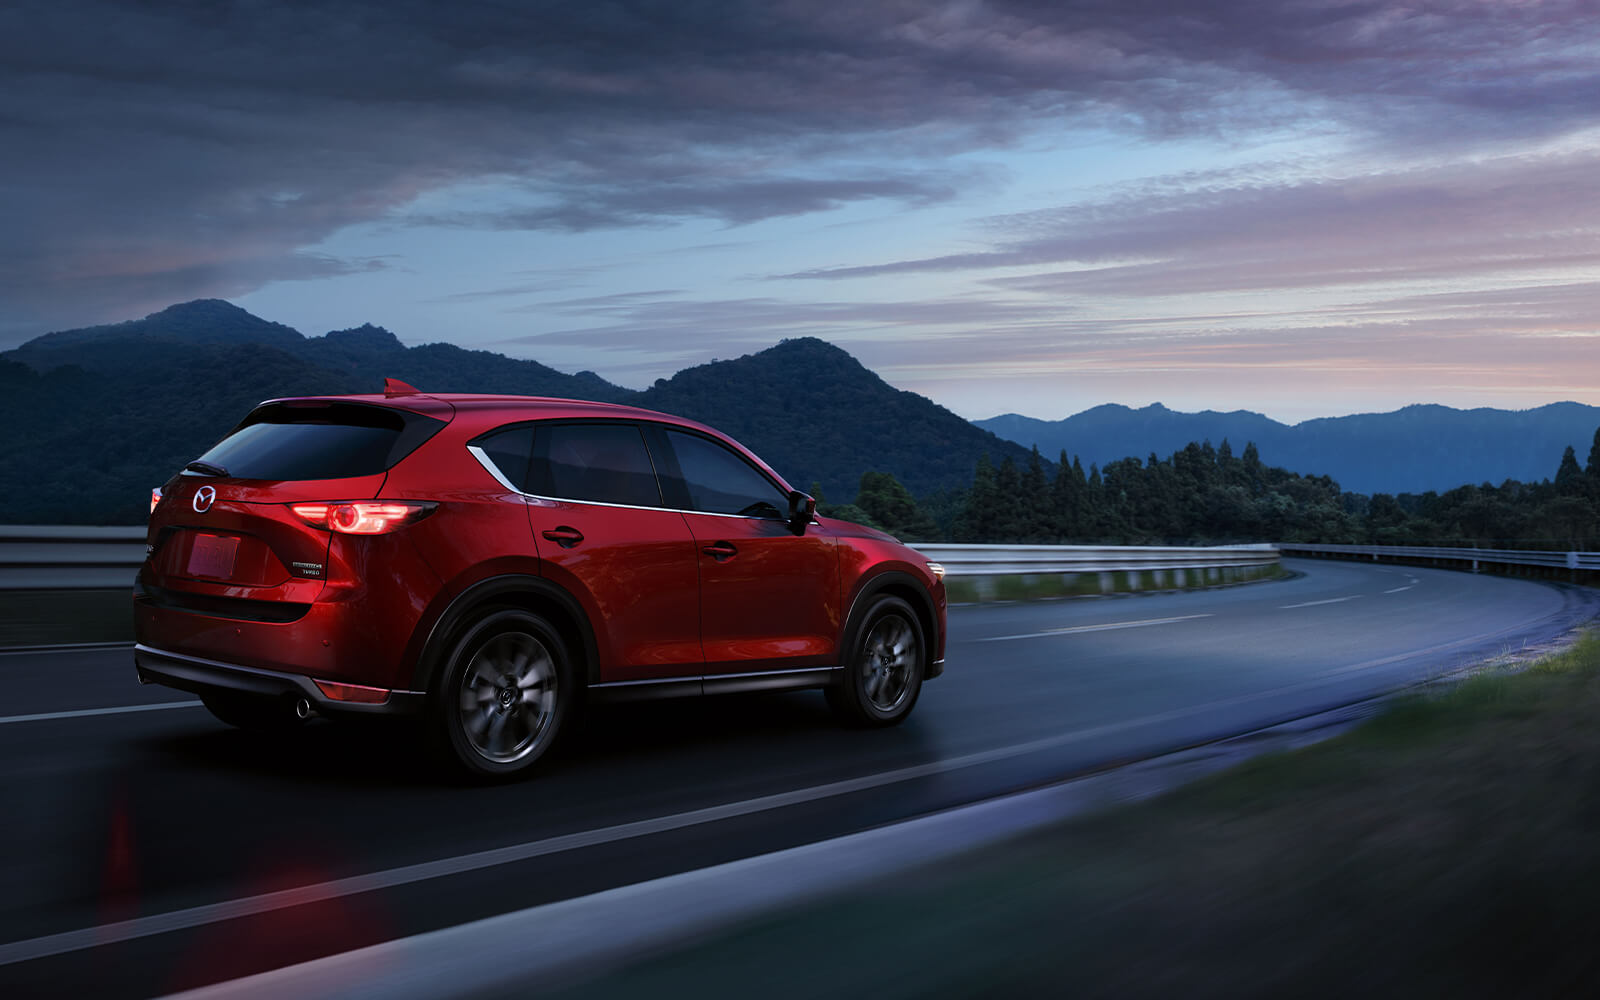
(1304, 208)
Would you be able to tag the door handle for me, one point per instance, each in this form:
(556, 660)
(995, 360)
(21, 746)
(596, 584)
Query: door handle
(720, 551)
(564, 536)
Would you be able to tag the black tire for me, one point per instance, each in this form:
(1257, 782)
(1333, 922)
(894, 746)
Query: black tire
(504, 695)
(883, 667)
(253, 712)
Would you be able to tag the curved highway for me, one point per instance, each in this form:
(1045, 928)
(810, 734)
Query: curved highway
(147, 848)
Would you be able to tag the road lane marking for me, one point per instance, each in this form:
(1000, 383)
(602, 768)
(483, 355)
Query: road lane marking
(1107, 627)
(1312, 604)
(86, 712)
(1399, 589)
(136, 928)
(160, 923)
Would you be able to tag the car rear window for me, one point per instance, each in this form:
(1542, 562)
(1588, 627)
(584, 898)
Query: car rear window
(306, 439)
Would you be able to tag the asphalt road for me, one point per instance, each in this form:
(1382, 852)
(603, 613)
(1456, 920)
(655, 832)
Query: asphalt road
(148, 848)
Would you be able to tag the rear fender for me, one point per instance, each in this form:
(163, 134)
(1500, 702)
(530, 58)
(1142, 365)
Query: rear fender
(515, 590)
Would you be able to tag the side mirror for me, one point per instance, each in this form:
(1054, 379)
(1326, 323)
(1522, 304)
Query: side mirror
(801, 509)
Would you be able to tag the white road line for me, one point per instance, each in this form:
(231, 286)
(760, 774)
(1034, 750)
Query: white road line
(160, 923)
(86, 712)
(1399, 589)
(1312, 604)
(1075, 629)
(247, 906)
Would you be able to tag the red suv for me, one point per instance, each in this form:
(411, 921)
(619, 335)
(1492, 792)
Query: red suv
(486, 562)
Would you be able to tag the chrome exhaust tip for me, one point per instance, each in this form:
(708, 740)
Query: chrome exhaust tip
(303, 709)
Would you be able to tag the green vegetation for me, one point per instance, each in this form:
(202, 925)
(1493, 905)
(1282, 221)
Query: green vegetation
(1446, 848)
(1204, 495)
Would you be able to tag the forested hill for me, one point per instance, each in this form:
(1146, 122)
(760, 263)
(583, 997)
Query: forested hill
(816, 414)
(1412, 450)
(96, 417)
(206, 331)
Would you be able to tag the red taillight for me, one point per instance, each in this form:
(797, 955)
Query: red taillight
(155, 498)
(359, 693)
(361, 517)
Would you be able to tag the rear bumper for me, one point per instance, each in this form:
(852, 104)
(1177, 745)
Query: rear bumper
(202, 676)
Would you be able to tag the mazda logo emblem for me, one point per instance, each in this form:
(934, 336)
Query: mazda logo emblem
(203, 498)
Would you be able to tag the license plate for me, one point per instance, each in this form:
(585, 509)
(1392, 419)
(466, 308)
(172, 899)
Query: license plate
(212, 555)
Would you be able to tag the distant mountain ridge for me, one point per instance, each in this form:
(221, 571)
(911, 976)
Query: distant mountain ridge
(100, 415)
(1411, 450)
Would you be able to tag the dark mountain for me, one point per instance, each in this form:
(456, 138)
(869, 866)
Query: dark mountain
(364, 356)
(1412, 450)
(96, 417)
(817, 415)
(203, 321)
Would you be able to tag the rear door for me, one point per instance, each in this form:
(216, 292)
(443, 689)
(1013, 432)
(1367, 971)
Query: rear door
(769, 598)
(604, 534)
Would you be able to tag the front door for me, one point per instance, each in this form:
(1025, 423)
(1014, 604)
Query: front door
(769, 598)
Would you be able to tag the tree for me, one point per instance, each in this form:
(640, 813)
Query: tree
(1033, 503)
(979, 519)
(892, 506)
(1569, 478)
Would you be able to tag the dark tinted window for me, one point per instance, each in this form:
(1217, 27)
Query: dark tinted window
(320, 441)
(510, 450)
(722, 482)
(605, 463)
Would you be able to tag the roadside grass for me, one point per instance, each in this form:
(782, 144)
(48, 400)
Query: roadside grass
(1446, 848)
(41, 617)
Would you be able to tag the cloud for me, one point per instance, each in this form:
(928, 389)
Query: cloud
(1450, 221)
(158, 152)
(713, 190)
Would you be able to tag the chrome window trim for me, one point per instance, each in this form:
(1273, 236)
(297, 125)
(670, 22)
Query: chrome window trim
(489, 467)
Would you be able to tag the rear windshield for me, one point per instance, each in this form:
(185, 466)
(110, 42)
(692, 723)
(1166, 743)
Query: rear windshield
(320, 440)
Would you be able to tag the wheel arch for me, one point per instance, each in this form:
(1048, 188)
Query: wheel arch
(908, 588)
(512, 590)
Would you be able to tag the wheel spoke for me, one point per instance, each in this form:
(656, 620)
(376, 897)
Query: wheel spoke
(507, 695)
(477, 723)
(874, 684)
(537, 673)
(888, 656)
(494, 738)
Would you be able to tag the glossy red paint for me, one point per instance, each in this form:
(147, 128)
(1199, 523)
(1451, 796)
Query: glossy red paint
(773, 603)
(240, 584)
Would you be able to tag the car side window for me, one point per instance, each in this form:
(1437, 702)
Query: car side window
(602, 463)
(721, 482)
(510, 450)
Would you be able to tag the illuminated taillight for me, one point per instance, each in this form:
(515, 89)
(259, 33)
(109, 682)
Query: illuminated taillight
(361, 517)
(155, 498)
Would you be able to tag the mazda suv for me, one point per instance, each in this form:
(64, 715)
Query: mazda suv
(486, 563)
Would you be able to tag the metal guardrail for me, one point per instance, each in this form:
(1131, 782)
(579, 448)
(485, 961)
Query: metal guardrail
(1477, 558)
(1012, 560)
(69, 557)
(53, 557)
